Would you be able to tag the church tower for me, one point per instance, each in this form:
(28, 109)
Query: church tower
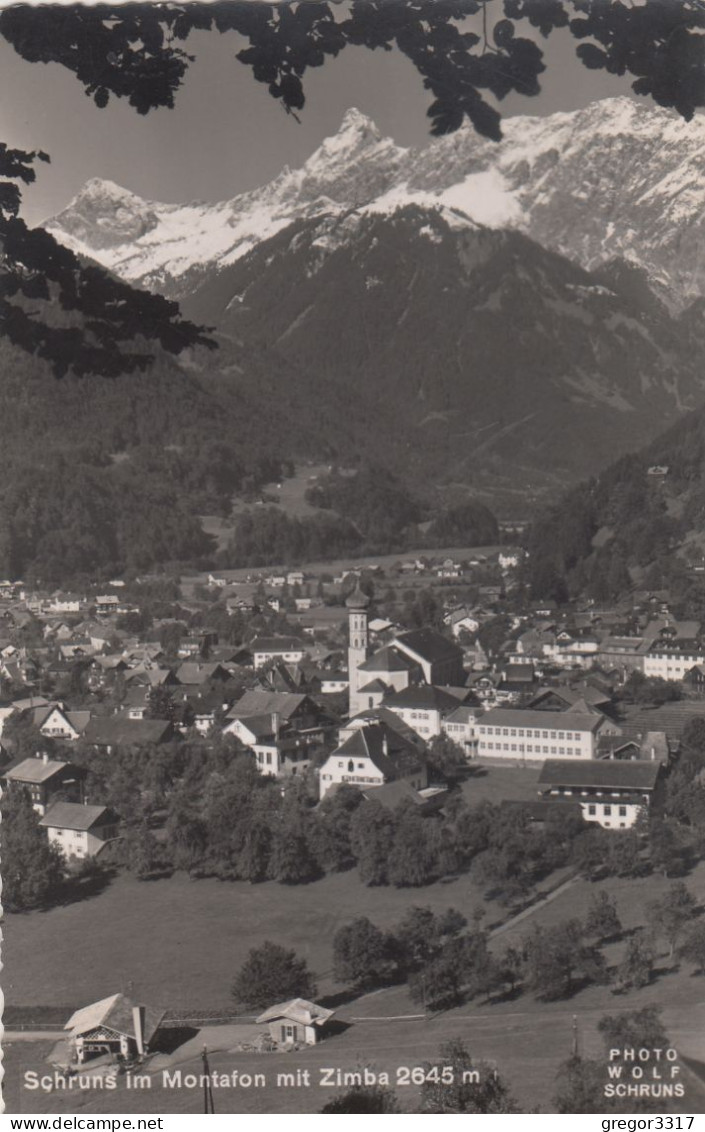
(357, 605)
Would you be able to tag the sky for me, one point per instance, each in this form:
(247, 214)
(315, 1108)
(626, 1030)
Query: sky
(226, 134)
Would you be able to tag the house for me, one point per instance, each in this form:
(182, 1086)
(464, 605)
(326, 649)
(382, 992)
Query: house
(64, 603)
(295, 1022)
(611, 792)
(295, 709)
(80, 830)
(43, 778)
(461, 621)
(518, 734)
(56, 722)
(423, 708)
(332, 682)
(288, 649)
(374, 754)
(673, 658)
(198, 673)
(116, 1026)
(107, 603)
(295, 578)
(517, 680)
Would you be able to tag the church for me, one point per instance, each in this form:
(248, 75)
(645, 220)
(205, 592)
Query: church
(420, 656)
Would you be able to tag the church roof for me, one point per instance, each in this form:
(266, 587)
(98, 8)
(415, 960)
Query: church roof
(429, 645)
(387, 659)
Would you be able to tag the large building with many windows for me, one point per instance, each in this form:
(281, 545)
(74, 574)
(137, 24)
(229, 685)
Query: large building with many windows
(610, 792)
(525, 736)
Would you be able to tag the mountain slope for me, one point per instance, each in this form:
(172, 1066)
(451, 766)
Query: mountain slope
(456, 351)
(616, 179)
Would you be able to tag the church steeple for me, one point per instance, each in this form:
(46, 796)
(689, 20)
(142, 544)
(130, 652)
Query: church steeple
(357, 604)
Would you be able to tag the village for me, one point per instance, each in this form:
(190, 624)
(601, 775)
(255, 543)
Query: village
(380, 697)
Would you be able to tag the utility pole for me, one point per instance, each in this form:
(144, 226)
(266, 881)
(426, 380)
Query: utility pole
(575, 1035)
(208, 1106)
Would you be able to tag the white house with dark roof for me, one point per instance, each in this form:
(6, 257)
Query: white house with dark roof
(114, 1025)
(57, 722)
(423, 707)
(289, 649)
(80, 831)
(610, 792)
(372, 755)
(296, 1022)
(524, 735)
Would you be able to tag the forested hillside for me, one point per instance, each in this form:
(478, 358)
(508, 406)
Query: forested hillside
(642, 521)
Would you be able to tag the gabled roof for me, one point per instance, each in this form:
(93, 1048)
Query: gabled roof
(277, 644)
(391, 794)
(390, 752)
(192, 672)
(258, 725)
(109, 730)
(387, 659)
(74, 815)
(264, 703)
(116, 1014)
(297, 1010)
(424, 697)
(631, 774)
(375, 686)
(35, 770)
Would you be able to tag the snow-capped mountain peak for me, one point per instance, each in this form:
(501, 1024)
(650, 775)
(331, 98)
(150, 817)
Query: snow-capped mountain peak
(616, 179)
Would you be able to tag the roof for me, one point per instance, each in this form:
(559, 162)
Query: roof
(390, 752)
(114, 1012)
(264, 703)
(258, 725)
(429, 645)
(423, 696)
(277, 644)
(466, 713)
(114, 729)
(545, 720)
(632, 774)
(387, 659)
(297, 1010)
(199, 673)
(391, 794)
(74, 815)
(35, 770)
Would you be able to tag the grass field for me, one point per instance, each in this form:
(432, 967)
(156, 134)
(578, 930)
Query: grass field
(179, 942)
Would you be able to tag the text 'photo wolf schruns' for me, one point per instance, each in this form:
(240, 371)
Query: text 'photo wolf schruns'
(352, 557)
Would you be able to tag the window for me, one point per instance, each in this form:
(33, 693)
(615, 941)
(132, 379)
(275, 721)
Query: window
(592, 809)
(607, 809)
(622, 811)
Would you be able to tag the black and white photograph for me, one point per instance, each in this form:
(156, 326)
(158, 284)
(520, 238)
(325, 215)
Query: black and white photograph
(352, 559)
